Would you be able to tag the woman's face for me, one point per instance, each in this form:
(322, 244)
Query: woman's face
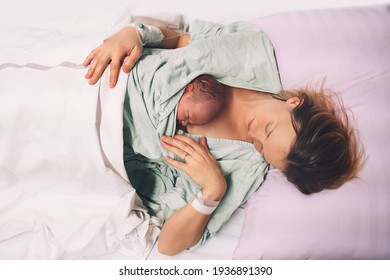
(270, 128)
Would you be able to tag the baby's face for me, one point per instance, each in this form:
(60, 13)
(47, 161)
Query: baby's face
(191, 111)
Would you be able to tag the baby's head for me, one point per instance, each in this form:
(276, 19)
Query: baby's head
(201, 101)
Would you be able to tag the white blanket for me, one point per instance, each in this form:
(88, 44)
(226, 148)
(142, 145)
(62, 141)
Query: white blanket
(64, 191)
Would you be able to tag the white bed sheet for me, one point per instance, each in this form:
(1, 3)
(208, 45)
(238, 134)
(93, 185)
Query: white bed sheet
(220, 247)
(63, 185)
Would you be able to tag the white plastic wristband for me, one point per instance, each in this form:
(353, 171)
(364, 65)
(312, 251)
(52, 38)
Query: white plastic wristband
(203, 206)
(150, 36)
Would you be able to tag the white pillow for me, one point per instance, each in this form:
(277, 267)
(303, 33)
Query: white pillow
(350, 48)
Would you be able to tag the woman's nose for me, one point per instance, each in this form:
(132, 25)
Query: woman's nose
(262, 150)
(184, 123)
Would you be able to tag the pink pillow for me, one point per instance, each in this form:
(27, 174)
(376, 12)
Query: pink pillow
(350, 48)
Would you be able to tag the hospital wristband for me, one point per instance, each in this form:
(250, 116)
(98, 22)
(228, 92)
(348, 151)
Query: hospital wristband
(202, 205)
(150, 36)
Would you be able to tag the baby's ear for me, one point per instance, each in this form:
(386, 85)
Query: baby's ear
(188, 88)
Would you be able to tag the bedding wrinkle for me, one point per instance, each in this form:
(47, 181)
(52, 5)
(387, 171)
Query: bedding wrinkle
(40, 66)
(98, 124)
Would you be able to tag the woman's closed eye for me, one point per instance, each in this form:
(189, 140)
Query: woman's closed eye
(269, 128)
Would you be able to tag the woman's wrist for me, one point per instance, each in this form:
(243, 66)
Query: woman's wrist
(150, 36)
(203, 205)
(214, 194)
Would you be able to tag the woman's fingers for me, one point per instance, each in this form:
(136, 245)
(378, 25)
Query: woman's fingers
(89, 58)
(181, 145)
(177, 164)
(191, 144)
(203, 143)
(89, 61)
(98, 69)
(115, 67)
(124, 47)
(175, 146)
(199, 164)
(131, 59)
(186, 148)
(98, 63)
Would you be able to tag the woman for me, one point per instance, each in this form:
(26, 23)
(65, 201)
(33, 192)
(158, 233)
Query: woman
(300, 133)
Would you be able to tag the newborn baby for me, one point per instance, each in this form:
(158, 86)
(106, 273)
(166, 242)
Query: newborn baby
(202, 99)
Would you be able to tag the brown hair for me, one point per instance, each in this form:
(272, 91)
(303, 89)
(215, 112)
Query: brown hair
(206, 88)
(326, 152)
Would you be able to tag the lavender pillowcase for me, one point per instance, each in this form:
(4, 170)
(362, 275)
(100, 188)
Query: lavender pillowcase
(350, 49)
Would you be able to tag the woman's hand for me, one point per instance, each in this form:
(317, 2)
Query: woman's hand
(186, 226)
(199, 164)
(122, 48)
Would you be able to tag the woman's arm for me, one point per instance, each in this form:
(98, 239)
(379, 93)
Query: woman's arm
(182, 230)
(186, 226)
(173, 39)
(123, 49)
